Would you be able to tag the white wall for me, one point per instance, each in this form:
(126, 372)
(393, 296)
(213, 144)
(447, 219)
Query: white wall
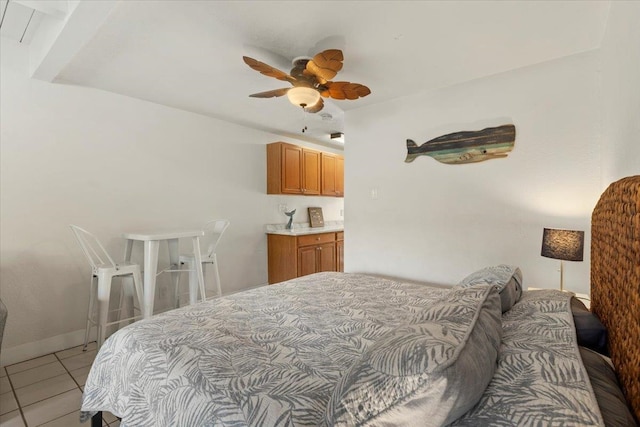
(72, 155)
(620, 62)
(438, 222)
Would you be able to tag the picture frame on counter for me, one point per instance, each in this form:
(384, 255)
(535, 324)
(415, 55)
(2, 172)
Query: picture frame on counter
(316, 219)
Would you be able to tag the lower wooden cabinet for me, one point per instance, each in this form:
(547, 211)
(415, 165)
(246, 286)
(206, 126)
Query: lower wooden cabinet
(313, 259)
(340, 251)
(295, 256)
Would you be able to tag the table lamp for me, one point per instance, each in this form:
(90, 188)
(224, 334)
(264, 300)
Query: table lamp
(565, 245)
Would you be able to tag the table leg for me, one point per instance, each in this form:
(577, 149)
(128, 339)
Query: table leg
(150, 268)
(127, 250)
(174, 262)
(96, 420)
(193, 282)
(198, 266)
(127, 292)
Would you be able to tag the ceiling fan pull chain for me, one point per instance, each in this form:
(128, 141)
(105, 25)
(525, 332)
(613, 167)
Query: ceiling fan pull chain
(304, 118)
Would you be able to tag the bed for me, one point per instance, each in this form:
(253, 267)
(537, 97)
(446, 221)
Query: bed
(353, 349)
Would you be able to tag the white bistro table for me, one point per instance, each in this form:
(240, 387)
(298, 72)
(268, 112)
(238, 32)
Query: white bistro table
(151, 240)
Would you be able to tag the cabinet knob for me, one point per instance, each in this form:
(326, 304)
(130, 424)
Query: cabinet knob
(320, 249)
(318, 239)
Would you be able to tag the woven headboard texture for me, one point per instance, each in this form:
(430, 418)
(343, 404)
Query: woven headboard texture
(615, 279)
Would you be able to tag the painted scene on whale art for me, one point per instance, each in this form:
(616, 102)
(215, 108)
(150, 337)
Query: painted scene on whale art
(466, 146)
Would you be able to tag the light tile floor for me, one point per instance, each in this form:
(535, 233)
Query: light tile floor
(47, 391)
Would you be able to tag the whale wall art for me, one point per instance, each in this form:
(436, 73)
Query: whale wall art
(466, 146)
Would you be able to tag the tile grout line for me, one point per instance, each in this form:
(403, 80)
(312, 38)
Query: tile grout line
(74, 380)
(15, 396)
(24, 361)
(20, 406)
(48, 397)
(61, 416)
(32, 384)
(68, 372)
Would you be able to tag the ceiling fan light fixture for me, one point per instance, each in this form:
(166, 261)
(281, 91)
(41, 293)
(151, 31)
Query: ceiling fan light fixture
(303, 96)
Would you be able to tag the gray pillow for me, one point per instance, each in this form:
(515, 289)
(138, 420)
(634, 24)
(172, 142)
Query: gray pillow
(426, 374)
(507, 278)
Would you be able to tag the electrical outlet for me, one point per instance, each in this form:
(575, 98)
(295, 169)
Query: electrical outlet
(282, 208)
(341, 212)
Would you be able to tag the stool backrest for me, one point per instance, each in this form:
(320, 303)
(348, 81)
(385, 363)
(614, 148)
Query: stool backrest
(92, 248)
(213, 231)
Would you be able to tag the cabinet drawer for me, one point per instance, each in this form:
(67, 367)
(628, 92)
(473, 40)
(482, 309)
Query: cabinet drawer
(340, 235)
(314, 239)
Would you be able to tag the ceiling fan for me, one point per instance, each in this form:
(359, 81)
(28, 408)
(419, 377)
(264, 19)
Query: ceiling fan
(311, 79)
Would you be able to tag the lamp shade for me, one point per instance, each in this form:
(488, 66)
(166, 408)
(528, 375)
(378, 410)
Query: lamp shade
(567, 245)
(303, 96)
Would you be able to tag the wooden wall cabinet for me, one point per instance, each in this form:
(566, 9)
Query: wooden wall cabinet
(332, 175)
(297, 170)
(292, 169)
(340, 176)
(296, 256)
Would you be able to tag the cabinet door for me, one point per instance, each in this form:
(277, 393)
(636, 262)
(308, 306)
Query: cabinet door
(307, 260)
(328, 174)
(340, 176)
(327, 257)
(282, 252)
(292, 157)
(311, 172)
(340, 255)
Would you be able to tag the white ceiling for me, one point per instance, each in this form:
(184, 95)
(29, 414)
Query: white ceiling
(188, 54)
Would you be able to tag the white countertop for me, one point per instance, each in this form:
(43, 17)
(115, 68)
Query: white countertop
(301, 229)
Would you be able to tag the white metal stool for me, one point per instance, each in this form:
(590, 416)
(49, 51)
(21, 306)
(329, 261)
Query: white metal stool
(103, 270)
(213, 232)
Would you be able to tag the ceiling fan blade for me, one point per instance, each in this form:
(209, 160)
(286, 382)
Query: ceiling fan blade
(316, 107)
(268, 70)
(325, 65)
(345, 90)
(270, 93)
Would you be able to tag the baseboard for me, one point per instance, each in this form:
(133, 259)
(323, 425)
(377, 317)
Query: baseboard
(35, 349)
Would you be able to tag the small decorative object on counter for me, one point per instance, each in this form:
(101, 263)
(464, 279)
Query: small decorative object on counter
(316, 218)
(290, 215)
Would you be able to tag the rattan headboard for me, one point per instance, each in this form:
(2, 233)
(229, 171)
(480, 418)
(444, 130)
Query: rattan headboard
(615, 279)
